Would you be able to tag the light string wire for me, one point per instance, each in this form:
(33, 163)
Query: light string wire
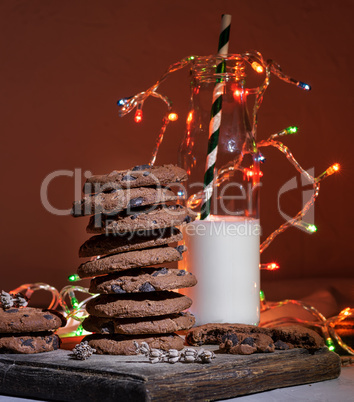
(326, 326)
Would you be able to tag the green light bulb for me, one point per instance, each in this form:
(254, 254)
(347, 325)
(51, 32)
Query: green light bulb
(312, 228)
(261, 295)
(292, 130)
(73, 278)
(79, 331)
(330, 344)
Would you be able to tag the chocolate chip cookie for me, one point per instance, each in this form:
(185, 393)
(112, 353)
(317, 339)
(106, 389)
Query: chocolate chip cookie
(29, 343)
(141, 219)
(130, 259)
(121, 242)
(143, 280)
(138, 176)
(124, 344)
(117, 200)
(134, 326)
(246, 339)
(29, 319)
(133, 305)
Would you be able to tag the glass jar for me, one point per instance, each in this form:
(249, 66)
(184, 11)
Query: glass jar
(223, 250)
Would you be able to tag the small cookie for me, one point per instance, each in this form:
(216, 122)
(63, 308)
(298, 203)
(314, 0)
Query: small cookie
(138, 304)
(29, 343)
(130, 259)
(142, 219)
(124, 344)
(143, 280)
(119, 243)
(294, 336)
(29, 319)
(138, 176)
(213, 333)
(139, 326)
(117, 200)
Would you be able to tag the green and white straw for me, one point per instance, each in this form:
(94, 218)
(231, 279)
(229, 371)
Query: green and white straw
(215, 119)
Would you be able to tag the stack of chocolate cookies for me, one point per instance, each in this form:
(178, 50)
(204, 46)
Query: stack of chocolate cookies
(29, 330)
(133, 215)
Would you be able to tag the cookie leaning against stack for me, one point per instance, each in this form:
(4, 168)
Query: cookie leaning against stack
(29, 330)
(134, 229)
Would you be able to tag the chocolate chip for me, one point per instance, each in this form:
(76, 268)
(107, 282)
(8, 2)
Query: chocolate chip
(281, 345)
(181, 272)
(128, 177)
(180, 249)
(108, 328)
(140, 167)
(154, 222)
(177, 206)
(56, 342)
(187, 219)
(117, 289)
(25, 315)
(132, 217)
(48, 316)
(146, 287)
(27, 342)
(146, 174)
(248, 341)
(136, 202)
(162, 271)
(230, 337)
(12, 310)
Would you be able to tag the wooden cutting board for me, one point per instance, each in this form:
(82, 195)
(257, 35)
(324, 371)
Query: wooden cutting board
(57, 376)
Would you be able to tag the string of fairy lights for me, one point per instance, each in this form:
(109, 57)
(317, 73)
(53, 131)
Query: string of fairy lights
(260, 66)
(75, 311)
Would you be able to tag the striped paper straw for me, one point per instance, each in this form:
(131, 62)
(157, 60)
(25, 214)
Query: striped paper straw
(215, 119)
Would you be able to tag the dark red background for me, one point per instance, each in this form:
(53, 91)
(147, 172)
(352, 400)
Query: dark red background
(65, 64)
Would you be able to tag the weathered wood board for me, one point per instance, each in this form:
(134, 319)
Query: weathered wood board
(57, 376)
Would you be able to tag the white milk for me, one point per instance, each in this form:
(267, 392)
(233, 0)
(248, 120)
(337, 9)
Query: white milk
(223, 254)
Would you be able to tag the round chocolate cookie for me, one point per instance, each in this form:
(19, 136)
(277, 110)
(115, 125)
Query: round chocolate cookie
(143, 280)
(293, 336)
(117, 200)
(119, 243)
(29, 319)
(142, 219)
(130, 259)
(138, 304)
(29, 343)
(138, 176)
(145, 325)
(124, 344)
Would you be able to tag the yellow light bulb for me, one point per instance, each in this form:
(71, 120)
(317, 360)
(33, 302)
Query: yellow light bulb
(173, 116)
(257, 67)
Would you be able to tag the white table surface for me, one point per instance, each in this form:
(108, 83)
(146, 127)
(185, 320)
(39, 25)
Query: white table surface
(340, 389)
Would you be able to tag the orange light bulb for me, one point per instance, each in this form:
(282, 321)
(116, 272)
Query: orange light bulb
(138, 116)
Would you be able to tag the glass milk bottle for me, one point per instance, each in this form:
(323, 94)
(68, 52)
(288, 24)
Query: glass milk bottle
(223, 250)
